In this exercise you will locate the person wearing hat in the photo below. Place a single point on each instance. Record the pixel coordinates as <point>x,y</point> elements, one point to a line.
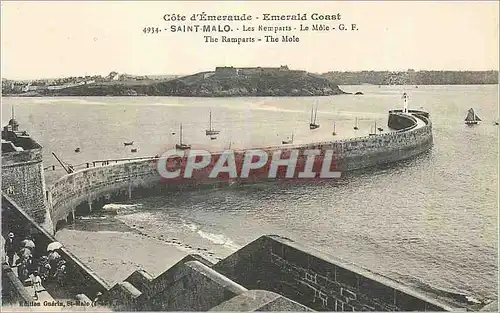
<point>37,284</point>
<point>44,267</point>
<point>60,274</point>
<point>10,249</point>
<point>97,299</point>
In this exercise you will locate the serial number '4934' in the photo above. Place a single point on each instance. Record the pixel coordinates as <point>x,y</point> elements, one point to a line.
<point>151,30</point>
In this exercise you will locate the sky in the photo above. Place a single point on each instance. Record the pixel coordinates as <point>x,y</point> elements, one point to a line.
<point>59,39</point>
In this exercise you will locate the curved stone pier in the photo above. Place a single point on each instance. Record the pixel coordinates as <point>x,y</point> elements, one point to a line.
<point>92,187</point>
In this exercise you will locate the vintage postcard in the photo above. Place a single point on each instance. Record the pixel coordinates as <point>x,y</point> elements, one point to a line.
<point>249,155</point>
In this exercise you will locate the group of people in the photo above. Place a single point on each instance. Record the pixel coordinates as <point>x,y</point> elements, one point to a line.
<point>50,267</point>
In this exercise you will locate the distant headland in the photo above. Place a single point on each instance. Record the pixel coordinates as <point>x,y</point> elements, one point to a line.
<point>222,82</point>
<point>237,82</point>
<point>412,77</point>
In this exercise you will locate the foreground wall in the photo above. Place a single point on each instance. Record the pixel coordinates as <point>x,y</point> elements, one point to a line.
<point>94,187</point>
<point>302,276</point>
<point>13,291</point>
<point>319,281</point>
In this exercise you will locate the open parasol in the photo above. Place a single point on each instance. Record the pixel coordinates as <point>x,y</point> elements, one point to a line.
<point>54,246</point>
<point>26,243</point>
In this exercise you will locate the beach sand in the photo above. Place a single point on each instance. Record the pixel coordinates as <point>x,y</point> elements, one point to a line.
<point>114,255</point>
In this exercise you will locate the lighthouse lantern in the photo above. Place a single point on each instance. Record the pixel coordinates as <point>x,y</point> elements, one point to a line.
<point>405,102</point>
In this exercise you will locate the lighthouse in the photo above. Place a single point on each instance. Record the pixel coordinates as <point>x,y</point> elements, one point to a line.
<point>405,102</point>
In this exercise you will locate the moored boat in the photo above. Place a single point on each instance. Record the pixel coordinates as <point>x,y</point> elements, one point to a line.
<point>312,124</point>
<point>288,141</point>
<point>210,131</point>
<point>180,145</point>
<point>472,118</point>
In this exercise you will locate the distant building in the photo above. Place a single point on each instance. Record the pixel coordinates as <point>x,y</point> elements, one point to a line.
<point>230,70</point>
<point>223,71</point>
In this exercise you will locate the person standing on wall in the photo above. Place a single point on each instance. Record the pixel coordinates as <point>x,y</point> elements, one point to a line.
<point>10,249</point>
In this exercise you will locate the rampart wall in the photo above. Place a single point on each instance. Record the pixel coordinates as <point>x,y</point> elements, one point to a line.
<point>23,180</point>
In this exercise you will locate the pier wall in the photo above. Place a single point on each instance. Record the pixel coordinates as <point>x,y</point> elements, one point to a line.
<point>405,143</point>
<point>93,187</point>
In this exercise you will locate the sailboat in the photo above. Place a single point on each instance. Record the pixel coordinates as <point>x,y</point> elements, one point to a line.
<point>472,118</point>
<point>180,145</point>
<point>288,141</point>
<point>334,132</point>
<point>313,124</point>
<point>356,124</point>
<point>211,131</point>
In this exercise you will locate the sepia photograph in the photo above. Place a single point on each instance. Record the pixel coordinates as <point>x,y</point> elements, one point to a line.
<point>249,156</point>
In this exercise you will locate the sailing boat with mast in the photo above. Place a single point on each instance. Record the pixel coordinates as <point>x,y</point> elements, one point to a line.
<point>356,124</point>
<point>180,145</point>
<point>334,132</point>
<point>312,124</point>
<point>472,118</point>
<point>211,131</point>
<point>288,141</point>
